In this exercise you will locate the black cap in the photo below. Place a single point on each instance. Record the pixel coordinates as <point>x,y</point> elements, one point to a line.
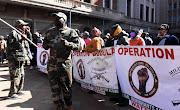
<point>114,27</point>
<point>163,27</point>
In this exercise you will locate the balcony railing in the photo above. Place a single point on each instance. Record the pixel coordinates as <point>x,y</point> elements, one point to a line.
<point>83,7</point>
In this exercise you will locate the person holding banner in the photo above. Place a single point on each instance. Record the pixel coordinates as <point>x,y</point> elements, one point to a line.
<point>86,37</point>
<point>136,38</point>
<point>96,43</point>
<point>147,38</point>
<point>18,51</point>
<point>117,36</point>
<point>164,38</point>
<point>61,40</point>
<point>36,40</point>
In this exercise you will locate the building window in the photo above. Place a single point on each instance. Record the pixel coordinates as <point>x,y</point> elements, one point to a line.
<point>179,4</point>
<point>152,1</point>
<point>175,5</point>
<point>170,7</point>
<point>107,4</point>
<point>170,19</point>
<point>147,13</point>
<point>88,1</point>
<point>152,15</point>
<point>129,8</point>
<point>174,19</point>
<point>179,18</point>
<point>141,11</point>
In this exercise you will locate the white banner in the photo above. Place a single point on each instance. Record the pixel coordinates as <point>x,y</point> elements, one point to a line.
<point>42,58</point>
<point>96,71</point>
<point>150,76</point>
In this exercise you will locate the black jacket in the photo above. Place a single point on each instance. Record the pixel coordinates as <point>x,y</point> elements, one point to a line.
<point>122,40</point>
<point>171,40</point>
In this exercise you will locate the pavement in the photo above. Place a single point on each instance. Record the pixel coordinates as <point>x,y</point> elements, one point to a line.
<point>38,94</point>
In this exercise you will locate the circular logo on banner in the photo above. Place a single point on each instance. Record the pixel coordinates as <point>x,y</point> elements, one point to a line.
<point>143,79</point>
<point>81,69</point>
<point>43,57</point>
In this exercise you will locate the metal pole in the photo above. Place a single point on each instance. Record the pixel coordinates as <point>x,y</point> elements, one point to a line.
<point>18,31</point>
<point>70,18</point>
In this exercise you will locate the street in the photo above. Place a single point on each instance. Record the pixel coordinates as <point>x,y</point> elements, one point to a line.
<point>39,98</point>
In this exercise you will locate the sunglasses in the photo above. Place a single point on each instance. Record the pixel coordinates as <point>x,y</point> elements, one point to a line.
<point>161,29</point>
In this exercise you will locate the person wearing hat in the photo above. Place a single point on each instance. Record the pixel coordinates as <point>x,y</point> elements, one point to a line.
<point>61,41</point>
<point>105,38</point>
<point>18,52</point>
<point>82,42</point>
<point>163,38</point>
<point>135,38</point>
<point>86,37</point>
<point>117,36</point>
<point>36,40</point>
<point>3,46</point>
<point>147,38</point>
<point>96,43</point>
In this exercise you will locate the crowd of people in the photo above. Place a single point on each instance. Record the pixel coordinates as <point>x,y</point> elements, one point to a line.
<point>118,36</point>
<point>62,41</point>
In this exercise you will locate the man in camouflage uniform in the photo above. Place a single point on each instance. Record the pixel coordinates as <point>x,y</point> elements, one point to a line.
<point>62,41</point>
<point>17,52</point>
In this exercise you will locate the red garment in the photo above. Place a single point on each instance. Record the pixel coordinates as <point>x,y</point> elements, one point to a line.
<point>87,40</point>
<point>137,41</point>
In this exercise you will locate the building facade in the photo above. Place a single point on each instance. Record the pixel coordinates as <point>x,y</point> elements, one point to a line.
<point>143,14</point>
<point>170,14</point>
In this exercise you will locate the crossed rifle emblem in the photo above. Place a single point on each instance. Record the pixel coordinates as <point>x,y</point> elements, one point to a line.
<point>99,76</point>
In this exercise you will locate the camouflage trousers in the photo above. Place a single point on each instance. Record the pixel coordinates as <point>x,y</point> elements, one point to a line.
<point>16,71</point>
<point>60,79</point>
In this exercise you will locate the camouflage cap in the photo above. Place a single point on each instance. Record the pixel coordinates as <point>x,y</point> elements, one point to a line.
<point>163,27</point>
<point>61,15</point>
<point>20,22</point>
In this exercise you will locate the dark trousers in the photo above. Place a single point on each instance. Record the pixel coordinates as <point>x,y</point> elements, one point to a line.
<point>33,62</point>
<point>2,56</point>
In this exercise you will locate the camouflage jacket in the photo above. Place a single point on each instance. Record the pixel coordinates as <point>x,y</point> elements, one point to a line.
<point>18,49</point>
<point>60,52</point>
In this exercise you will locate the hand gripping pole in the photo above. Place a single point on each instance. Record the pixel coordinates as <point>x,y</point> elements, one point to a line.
<point>17,31</point>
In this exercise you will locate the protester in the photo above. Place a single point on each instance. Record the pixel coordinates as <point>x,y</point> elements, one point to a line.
<point>164,38</point>
<point>86,37</point>
<point>118,36</point>
<point>61,40</point>
<point>135,38</point>
<point>36,40</point>
<point>18,51</point>
<point>3,46</point>
<point>82,42</point>
<point>96,43</point>
<point>41,37</point>
<point>105,38</point>
<point>147,38</point>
